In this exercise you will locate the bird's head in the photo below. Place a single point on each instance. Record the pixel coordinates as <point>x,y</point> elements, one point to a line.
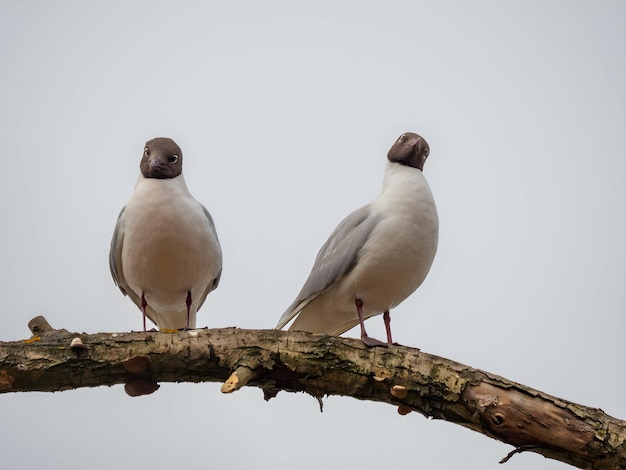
<point>162,158</point>
<point>410,149</point>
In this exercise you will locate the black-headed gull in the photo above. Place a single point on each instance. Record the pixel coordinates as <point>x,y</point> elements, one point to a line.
<point>377,256</point>
<point>165,254</point>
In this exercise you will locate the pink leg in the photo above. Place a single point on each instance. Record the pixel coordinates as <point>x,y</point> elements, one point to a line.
<point>387,320</point>
<point>188,302</point>
<point>144,304</point>
<point>359,311</point>
<point>366,339</point>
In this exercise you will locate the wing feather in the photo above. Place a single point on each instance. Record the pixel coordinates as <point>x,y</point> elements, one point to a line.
<point>213,285</point>
<point>335,259</point>
<point>115,264</point>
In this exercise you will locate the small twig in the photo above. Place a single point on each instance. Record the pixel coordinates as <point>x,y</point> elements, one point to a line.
<point>319,400</point>
<point>238,379</point>
<point>39,325</point>
<point>518,450</point>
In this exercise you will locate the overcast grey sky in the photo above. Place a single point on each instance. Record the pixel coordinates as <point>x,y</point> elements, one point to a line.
<point>285,112</point>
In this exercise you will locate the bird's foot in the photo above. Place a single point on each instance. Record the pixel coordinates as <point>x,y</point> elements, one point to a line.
<point>168,330</point>
<point>371,342</point>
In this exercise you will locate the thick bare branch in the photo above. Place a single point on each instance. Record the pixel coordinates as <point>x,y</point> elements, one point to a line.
<point>320,365</point>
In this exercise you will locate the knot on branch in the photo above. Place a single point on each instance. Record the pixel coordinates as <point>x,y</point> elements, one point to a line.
<point>145,383</point>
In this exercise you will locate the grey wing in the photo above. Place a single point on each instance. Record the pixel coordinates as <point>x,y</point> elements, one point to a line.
<point>115,260</point>
<point>213,285</point>
<point>115,252</point>
<point>208,216</point>
<point>335,259</point>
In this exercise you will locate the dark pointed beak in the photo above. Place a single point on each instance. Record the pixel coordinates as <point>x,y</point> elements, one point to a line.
<point>419,147</point>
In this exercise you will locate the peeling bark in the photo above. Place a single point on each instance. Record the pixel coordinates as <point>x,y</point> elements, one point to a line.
<point>272,360</point>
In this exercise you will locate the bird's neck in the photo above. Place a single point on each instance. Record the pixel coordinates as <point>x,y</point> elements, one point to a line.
<point>401,177</point>
<point>405,192</point>
<point>174,185</point>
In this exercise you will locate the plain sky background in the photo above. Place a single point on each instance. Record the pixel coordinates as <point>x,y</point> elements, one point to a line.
<point>285,112</point>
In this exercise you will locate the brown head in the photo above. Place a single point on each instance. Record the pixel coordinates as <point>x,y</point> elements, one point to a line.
<point>410,149</point>
<point>162,159</point>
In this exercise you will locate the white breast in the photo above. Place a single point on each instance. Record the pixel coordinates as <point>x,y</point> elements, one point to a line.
<point>169,248</point>
<point>401,249</point>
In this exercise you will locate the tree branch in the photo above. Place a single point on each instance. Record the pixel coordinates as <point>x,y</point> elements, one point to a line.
<point>272,360</point>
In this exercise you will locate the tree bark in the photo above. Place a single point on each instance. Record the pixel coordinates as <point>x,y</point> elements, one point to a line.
<point>272,360</point>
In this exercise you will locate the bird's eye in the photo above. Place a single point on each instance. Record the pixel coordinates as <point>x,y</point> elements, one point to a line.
<point>146,152</point>
<point>401,138</point>
<point>173,159</point>
<point>426,153</point>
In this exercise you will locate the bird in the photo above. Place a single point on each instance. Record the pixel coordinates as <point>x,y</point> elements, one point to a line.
<point>165,253</point>
<point>377,256</point>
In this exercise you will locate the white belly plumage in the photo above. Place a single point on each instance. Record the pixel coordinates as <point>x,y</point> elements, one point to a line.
<point>169,249</point>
